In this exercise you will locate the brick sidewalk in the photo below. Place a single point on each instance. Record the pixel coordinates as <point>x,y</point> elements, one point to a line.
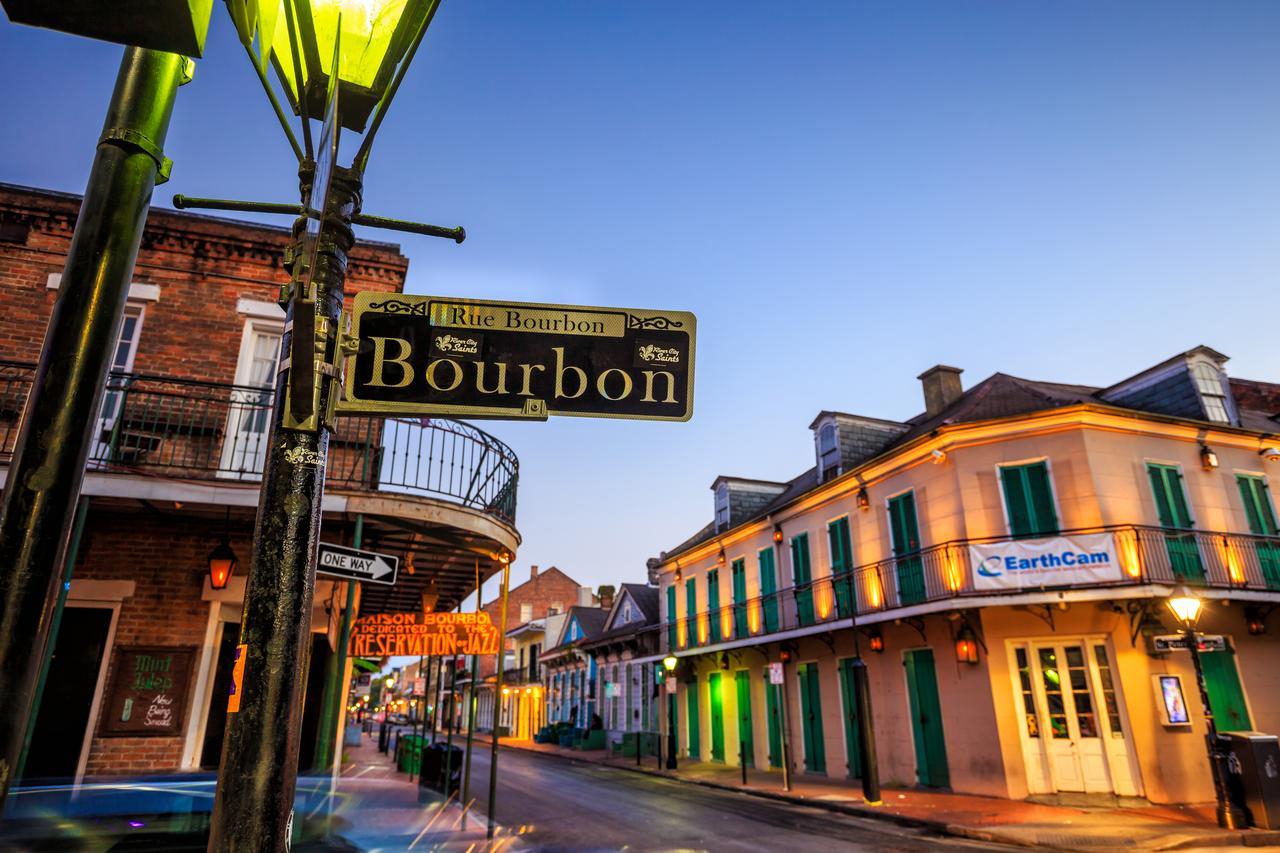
<point>982,818</point>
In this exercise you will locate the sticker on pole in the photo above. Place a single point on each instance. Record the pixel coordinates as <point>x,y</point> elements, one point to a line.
<point>237,678</point>
<point>671,684</point>
<point>775,673</point>
<point>352,564</point>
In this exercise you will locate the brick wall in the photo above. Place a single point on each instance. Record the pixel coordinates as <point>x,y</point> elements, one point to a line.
<point>201,264</point>
<point>541,591</point>
<point>166,557</point>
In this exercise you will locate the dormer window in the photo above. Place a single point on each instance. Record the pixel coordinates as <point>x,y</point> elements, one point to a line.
<point>1209,383</point>
<point>722,507</point>
<point>828,453</point>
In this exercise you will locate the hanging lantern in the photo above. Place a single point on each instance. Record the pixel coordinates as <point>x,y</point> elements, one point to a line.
<point>966,645</point>
<point>222,564</point>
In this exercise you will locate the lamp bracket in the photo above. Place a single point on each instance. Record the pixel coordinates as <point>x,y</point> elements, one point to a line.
<point>128,138</point>
<point>184,202</point>
<point>1044,612</point>
<point>917,623</point>
<point>829,639</point>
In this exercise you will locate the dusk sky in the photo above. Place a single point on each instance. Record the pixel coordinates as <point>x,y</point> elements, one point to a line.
<point>844,193</point>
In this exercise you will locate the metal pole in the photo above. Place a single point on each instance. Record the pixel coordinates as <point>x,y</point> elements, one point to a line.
<point>47,467</point>
<point>73,551</point>
<point>671,721</point>
<point>471,716</point>
<point>786,741</point>
<point>253,808</point>
<point>435,712</point>
<point>1230,816</point>
<point>862,704</point>
<point>497,697</point>
<point>742,760</point>
<point>419,722</point>
<point>328,740</point>
<point>448,755</point>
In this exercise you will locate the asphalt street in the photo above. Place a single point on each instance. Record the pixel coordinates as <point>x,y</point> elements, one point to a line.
<point>550,803</point>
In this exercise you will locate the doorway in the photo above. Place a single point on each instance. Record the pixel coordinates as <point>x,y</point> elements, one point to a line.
<point>849,701</point>
<point>216,719</point>
<point>59,738</point>
<point>926,719</point>
<point>1075,735</point>
<point>746,737</point>
<point>693,724</point>
<point>717,716</point>
<point>815,751</point>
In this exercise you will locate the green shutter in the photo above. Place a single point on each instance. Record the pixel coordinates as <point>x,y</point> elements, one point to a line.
<point>1171,508</point>
<point>691,611</point>
<point>815,754</point>
<point>715,689</point>
<point>774,709</point>
<point>671,617</point>
<point>768,590</point>
<point>801,578</point>
<point>926,719</point>
<point>1226,696</point>
<point>1262,522</point>
<point>693,725</point>
<point>849,704</point>
<point>740,628</point>
<point>906,548</point>
<point>1028,497</point>
<point>746,737</point>
<point>713,605</point>
<point>841,565</point>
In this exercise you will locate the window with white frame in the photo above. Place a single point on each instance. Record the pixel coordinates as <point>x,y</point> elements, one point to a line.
<point>722,507</point>
<point>1209,383</point>
<point>828,452</point>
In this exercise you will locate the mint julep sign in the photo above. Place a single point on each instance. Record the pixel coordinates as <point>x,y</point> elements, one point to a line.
<point>472,358</point>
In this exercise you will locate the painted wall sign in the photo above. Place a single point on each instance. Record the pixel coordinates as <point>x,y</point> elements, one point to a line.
<point>1056,561</point>
<point>148,692</point>
<point>424,355</point>
<point>424,634</point>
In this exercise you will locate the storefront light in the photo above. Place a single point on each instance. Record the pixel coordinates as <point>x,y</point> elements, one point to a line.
<point>222,564</point>
<point>966,645</point>
<point>875,640</point>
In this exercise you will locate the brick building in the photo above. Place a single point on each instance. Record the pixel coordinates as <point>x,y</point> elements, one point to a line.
<point>174,467</point>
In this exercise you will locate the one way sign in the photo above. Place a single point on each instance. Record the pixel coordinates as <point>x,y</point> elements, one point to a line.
<point>340,562</point>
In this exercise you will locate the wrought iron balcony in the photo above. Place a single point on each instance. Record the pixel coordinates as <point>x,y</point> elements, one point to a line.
<point>1146,555</point>
<point>212,431</point>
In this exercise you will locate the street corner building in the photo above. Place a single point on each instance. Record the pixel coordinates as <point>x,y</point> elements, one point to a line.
<point>1001,563</point>
<point>144,656</point>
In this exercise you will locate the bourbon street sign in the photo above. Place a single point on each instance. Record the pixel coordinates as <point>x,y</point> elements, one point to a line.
<point>424,355</point>
<point>389,634</point>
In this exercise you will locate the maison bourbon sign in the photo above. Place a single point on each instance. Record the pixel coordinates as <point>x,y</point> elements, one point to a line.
<point>425,355</point>
<point>148,692</point>
<point>423,634</point>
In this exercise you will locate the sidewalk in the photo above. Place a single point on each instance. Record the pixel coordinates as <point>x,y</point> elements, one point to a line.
<point>980,818</point>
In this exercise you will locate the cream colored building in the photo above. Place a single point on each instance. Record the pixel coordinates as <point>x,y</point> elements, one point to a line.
<point>1008,555</point>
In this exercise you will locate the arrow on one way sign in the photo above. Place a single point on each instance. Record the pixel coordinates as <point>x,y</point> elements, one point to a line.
<point>339,562</point>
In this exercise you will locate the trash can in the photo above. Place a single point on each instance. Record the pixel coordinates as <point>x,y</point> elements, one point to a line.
<point>451,758</point>
<point>1253,775</point>
<point>430,768</point>
<point>384,737</point>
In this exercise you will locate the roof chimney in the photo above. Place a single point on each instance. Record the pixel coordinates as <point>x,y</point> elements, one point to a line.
<point>606,595</point>
<point>941,388</point>
<point>533,573</point>
<point>585,596</point>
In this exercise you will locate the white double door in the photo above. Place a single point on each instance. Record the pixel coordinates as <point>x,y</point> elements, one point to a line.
<point>1075,735</point>
<point>244,450</point>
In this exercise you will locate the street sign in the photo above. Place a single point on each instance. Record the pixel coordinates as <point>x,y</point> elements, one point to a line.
<point>472,358</point>
<point>671,684</point>
<point>1204,642</point>
<point>348,563</point>
<point>775,673</point>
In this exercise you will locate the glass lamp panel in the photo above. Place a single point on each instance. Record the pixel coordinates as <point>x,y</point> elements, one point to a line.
<point>368,32</point>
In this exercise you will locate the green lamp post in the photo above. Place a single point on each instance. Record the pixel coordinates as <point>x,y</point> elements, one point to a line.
<point>39,511</point>
<point>340,61</point>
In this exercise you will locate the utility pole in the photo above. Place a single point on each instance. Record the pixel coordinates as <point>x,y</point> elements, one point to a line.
<point>47,469</point>
<point>253,808</point>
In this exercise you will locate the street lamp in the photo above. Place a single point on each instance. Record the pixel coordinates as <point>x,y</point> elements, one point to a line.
<point>1186,606</point>
<point>222,564</point>
<point>669,664</point>
<point>341,62</point>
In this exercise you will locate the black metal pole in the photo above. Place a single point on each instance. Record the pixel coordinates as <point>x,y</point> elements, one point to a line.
<point>253,807</point>
<point>497,699</point>
<point>862,704</point>
<point>1230,816</point>
<point>47,468</point>
<point>328,737</point>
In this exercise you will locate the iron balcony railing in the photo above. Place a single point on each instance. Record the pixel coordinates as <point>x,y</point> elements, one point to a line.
<point>212,431</point>
<point>1146,555</point>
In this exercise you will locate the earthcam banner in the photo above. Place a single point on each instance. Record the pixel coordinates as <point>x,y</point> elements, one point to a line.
<point>425,355</point>
<point>423,634</point>
<point>1056,561</point>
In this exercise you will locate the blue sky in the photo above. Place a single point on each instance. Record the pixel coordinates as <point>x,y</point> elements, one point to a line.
<point>845,194</point>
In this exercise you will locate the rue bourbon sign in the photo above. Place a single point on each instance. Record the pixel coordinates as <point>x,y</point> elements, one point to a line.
<point>425,355</point>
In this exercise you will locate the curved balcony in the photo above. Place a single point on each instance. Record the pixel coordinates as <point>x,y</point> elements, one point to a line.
<point>945,576</point>
<point>441,490</point>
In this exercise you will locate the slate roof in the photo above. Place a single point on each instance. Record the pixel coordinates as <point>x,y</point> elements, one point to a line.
<point>1001,396</point>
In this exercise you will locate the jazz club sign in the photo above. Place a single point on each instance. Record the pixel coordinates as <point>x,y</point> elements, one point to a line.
<point>472,358</point>
<point>423,634</point>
